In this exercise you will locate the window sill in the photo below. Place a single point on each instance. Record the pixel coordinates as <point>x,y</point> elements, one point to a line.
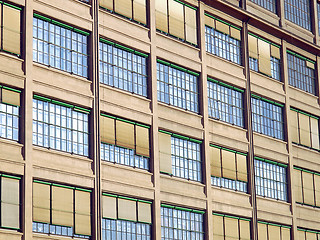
<point>307,206</point>
<point>8,55</point>
<point>225,60</point>
<point>84,3</point>
<point>230,190</point>
<point>4,231</point>
<point>118,165</point>
<point>52,69</point>
<point>298,28</point>
<point>183,180</point>
<point>10,142</point>
<point>306,148</point>
<point>180,109</point>
<point>302,91</point>
<point>271,138</point>
<point>177,41</point>
<point>52,236</point>
<point>227,124</point>
<point>263,10</point>
<point>61,153</point>
<point>274,200</point>
<point>267,77</point>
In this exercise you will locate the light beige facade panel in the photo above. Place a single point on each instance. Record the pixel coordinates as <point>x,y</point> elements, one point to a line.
<point>124,104</point>
<point>307,217</point>
<point>10,151</point>
<point>10,235</point>
<point>228,135</point>
<point>304,101</point>
<point>298,31</point>
<point>62,86</point>
<point>169,115</point>
<point>125,32</point>
<point>265,14</point>
<point>11,66</point>
<point>270,148</point>
<point>263,34</point>
<point>11,80</point>
<point>222,15</point>
<point>182,54</point>
<point>271,210</point>
<point>182,187</point>
<point>12,167</point>
<point>265,86</point>
<point>19,2</point>
<point>231,202</point>
<point>78,14</point>
<point>224,70</point>
<point>305,158</point>
<point>116,172</point>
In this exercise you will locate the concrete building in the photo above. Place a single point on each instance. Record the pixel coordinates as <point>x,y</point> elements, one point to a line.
<point>163,119</point>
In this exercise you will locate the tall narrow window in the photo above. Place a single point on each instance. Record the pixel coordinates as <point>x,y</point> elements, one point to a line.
<point>9,113</point>
<point>177,19</point>
<point>177,86</point>
<point>307,234</point>
<point>124,142</point>
<point>225,102</point>
<point>228,168</point>
<point>304,129</point>
<point>10,32</point>
<point>264,56</point>
<point>181,223</point>
<point>298,12</point>
<point>270,179</point>
<point>125,218</point>
<point>270,5</point>
<point>180,156</point>
<point>223,39</point>
<point>60,126</point>
<point>123,68</point>
<point>134,10</point>
<point>61,210</point>
<point>230,227</point>
<point>267,117</point>
<point>272,231</point>
<point>307,187</point>
<point>301,72</point>
<point>9,202</point>
<point>60,46</point>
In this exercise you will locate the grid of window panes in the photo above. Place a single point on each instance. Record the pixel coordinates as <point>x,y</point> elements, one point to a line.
<point>300,75</point>
<point>125,156</point>
<point>298,12</point>
<point>125,230</point>
<point>59,127</point>
<point>270,180</point>
<point>267,118</point>
<point>275,66</point>
<point>267,4</point>
<point>9,121</point>
<point>223,45</point>
<point>229,183</point>
<point>181,224</point>
<point>60,47</point>
<point>55,230</point>
<point>225,104</point>
<point>177,88</point>
<point>186,159</point>
<point>123,69</point>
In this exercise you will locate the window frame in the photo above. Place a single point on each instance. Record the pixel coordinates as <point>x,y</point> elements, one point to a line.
<point>296,19</point>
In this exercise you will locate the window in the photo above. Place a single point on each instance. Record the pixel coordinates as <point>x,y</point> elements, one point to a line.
<point>228,168</point>
<point>180,156</point>
<point>60,46</point>
<point>306,234</point>
<point>177,86</point>
<point>271,231</point>
<point>301,72</point>
<point>177,19</point>
<point>181,223</point>
<point>304,129</point>
<point>61,210</point>
<point>10,202</point>
<point>60,126</point>
<point>264,56</point>
<point>270,5</point>
<point>225,102</point>
<point>307,187</point>
<point>123,68</point>
<point>230,227</point>
<point>10,30</point>
<point>134,10</point>
<point>124,142</point>
<point>270,179</point>
<point>223,39</point>
<point>298,12</point>
<point>267,117</point>
<point>9,113</point>
<point>125,218</point>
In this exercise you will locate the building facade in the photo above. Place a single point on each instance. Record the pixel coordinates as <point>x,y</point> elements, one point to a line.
<point>164,119</point>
